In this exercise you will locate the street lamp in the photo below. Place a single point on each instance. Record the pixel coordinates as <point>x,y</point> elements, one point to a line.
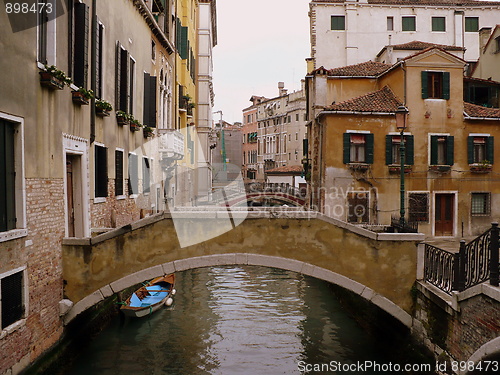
<point>401,113</point>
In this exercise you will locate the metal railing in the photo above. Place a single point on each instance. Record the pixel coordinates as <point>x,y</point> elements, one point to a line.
<point>283,188</point>
<point>407,227</point>
<point>473,264</point>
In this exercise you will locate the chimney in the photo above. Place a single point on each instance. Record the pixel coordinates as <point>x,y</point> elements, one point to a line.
<point>484,35</point>
<point>281,89</point>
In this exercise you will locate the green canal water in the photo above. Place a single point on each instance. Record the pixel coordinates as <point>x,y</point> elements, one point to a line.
<point>247,320</point>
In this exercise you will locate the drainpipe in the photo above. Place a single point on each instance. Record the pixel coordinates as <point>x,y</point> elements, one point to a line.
<point>93,61</point>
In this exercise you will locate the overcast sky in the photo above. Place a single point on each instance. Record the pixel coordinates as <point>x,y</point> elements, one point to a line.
<point>259,43</point>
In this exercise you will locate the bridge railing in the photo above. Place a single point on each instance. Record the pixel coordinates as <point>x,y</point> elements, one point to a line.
<point>267,187</point>
<point>473,264</point>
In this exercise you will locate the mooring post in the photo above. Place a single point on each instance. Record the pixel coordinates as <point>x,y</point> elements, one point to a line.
<point>494,254</point>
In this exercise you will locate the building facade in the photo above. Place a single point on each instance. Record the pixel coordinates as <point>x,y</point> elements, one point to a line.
<point>489,58</point>
<point>340,36</point>
<point>450,160</point>
<point>249,134</point>
<point>280,131</point>
<point>73,165</point>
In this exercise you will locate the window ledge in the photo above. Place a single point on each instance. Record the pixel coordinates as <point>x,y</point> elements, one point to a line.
<point>120,197</point>
<point>480,168</point>
<point>440,168</point>
<point>12,328</point>
<point>13,234</point>
<point>395,168</point>
<point>358,166</point>
<point>133,196</point>
<point>100,200</point>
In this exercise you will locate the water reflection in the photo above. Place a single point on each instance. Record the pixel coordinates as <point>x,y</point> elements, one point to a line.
<point>230,321</point>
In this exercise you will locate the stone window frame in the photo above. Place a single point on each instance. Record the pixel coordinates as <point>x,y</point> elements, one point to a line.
<point>487,203</point>
<point>25,298</point>
<point>21,229</point>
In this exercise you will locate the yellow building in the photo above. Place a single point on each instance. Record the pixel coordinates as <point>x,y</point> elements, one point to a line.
<point>450,169</point>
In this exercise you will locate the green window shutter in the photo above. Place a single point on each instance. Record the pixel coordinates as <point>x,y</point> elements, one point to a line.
<point>450,142</point>
<point>425,89</point>
<point>7,177</point>
<point>178,33</point>
<point>81,42</point>
<point>347,148</point>
<point>408,24</point>
<point>145,105</point>
<point>305,147</point>
<point>470,149</point>
<point>490,149</point>
<point>409,139</point>
<point>338,23</point>
<point>184,43</point>
<point>369,148</point>
<point>133,174</point>
<point>388,149</point>
<point>118,66</point>
<point>446,85</point>
<point>434,149</point>
<point>152,102</point>
<point>101,171</point>
<point>118,172</point>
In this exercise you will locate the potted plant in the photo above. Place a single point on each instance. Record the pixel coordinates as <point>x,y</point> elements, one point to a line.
<point>54,78</point>
<point>147,131</point>
<point>481,167</point>
<point>135,125</point>
<point>123,118</point>
<point>102,108</point>
<point>190,107</point>
<point>82,96</point>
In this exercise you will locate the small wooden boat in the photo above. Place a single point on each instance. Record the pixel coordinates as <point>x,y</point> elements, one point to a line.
<point>150,297</point>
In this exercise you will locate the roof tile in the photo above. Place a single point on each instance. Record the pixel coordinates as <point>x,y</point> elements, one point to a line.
<point>474,110</point>
<point>382,100</point>
<point>365,69</point>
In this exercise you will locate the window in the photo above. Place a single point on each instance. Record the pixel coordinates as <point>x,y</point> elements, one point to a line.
<point>408,23</point>
<point>418,207</point>
<point>435,85</point>
<point>133,174</point>
<point>12,300</point>
<point>480,204</point>
<point>438,23</point>
<point>358,148</point>
<point>131,85</point>
<point>118,172</point>
<point>338,22</point>
<point>80,44</point>
<point>7,177</point>
<point>471,24</point>
<point>153,50</point>
<point>146,175</point>
<point>43,20</point>
<point>390,23</point>
<point>442,149</point>
<point>101,171</point>
<point>480,149</point>
<point>497,44</point>
<point>296,117</point>
<point>99,60</point>
<point>392,149</point>
<point>149,104</point>
<point>358,208</point>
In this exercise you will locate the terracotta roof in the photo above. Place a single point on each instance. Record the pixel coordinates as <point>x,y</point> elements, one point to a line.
<point>420,2</point>
<point>473,110</point>
<point>382,100</point>
<point>287,169</point>
<point>419,45</point>
<point>365,69</point>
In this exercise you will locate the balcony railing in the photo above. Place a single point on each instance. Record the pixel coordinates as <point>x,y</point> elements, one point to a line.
<point>171,144</point>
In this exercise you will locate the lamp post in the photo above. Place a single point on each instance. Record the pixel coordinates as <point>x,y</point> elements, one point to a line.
<point>401,113</point>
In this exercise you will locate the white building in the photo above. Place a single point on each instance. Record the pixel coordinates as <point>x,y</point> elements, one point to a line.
<point>347,32</point>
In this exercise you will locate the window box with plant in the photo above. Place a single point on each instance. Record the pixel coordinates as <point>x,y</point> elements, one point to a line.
<point>123,118</point>
<point>82,96</point>
<point>54,78</point>
<point>102,108</point>
<point>135,125</point>
<point>483,167</point>
<point>148,131</point>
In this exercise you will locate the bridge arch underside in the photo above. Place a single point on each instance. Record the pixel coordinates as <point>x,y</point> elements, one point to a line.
<point>489,353</point>
<point>381,272</point>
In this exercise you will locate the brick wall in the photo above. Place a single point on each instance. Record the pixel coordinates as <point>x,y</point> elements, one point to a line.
<point>42,258</point>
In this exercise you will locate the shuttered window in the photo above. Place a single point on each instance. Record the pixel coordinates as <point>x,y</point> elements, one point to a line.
<point>118,172</point>
<point>99,60</point>
<point>101,171</point>
<point>392,149</point>
<point>149,105</point>
<point>480,149</point>
<point>12,301</point>
<point>81,43</point>
<point>358,148</point>
<point>442,150</point>
<point>338,22</point>
<point>438,24</point>
<point>7,177</point>
<point>408,23</point>
<point>133,174</point>
<point>435,85</point>
<point>471,24</point>
<point>146,175</point>
<point>183,50</point>
<point>43,19</point>
<point>122,78</point>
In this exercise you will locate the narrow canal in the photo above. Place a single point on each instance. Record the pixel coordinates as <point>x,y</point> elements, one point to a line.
<point>242,320</point>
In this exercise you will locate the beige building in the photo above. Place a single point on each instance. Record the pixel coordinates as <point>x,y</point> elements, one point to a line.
<point>451,162</point>
<point>280,131</point>
<point>489,59</point>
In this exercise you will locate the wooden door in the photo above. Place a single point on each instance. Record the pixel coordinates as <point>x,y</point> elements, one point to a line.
<point>444,213</point>
<point>70,195</point>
